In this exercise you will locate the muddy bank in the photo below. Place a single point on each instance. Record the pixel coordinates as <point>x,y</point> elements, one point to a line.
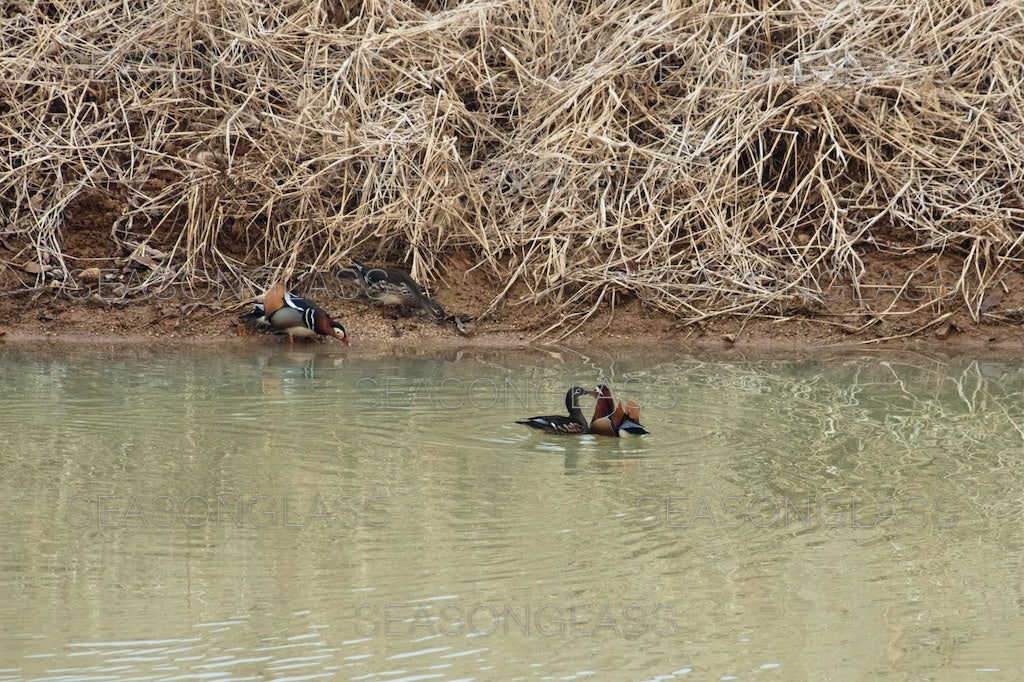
<point>638,179</point>
<point>97,314</point>
<point>897,301</point>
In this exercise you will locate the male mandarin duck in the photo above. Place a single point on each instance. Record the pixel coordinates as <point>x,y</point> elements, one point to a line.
<point>572,425</point>
<point>611,419</point>
<point>295,316</point>
<point>389,286</point>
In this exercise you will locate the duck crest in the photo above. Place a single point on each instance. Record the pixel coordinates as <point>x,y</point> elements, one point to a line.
<point>319,321</point>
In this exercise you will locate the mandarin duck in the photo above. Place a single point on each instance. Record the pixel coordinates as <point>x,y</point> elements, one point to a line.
<point>572,425</point>
<point>294,316</point>
<point>611,419</point>
<point>393,287</point>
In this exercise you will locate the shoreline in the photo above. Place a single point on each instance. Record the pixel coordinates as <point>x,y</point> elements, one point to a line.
<point>501,314</point>
<point>37,316</point>
<point>371,332</point>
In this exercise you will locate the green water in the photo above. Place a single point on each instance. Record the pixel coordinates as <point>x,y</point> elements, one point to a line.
<point>339,513</point>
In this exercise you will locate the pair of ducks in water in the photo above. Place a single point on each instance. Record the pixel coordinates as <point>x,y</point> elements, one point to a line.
<point>296,316</point>
<point>610,418</point>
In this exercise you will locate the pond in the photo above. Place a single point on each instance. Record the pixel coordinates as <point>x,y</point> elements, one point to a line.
<point>321,512</point>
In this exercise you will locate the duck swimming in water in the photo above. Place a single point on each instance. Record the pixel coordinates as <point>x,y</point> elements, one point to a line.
<point>572,425</point>
<point>611,419</point>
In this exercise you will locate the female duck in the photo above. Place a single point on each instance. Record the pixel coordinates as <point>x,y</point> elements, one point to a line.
<point>393,287</point>
<point>572,425</point>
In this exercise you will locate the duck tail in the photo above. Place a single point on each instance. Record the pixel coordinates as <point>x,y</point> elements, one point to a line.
<point>255,316</point>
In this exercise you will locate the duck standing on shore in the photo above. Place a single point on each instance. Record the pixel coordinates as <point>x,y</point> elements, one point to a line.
<point>295,316</point>
<point>572,425</point>
<point>394,287</point>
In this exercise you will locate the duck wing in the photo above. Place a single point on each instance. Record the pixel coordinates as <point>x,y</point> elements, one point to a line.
<point>256,316</point>
<point>555,423</point>
<point>633,411</point>
<point>313,316</point>
<point>274,300</point>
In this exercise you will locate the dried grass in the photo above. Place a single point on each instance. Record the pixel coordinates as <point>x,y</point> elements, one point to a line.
<point>708,158</point>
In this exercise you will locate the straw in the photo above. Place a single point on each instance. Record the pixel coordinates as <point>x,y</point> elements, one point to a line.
<point>706,158</point>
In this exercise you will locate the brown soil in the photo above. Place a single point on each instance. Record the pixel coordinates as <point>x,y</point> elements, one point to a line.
<point>43,313</point>
<point>924,313</point>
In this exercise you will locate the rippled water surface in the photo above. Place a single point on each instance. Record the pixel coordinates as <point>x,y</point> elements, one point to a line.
<point>321,512</point>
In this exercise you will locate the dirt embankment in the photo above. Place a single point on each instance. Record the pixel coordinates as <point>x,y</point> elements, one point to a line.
<point>799,173</point>
<point>898,303</point>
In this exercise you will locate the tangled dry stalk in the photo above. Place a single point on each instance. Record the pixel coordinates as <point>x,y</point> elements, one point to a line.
<point>710,158</point>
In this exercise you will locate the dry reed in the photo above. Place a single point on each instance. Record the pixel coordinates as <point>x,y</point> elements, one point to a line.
<point>708,158</point>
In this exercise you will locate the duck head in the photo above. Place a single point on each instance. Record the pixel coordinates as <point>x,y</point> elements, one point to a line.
<point>573,395</point>
<point>605,406</point>
<point>338,331</point>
